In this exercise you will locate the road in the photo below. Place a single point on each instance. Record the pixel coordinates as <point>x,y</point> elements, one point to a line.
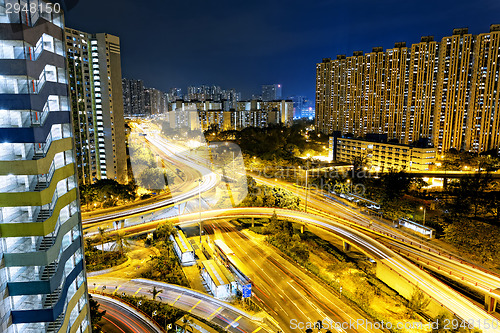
<point>208,181</point>
<point>281,288</point>
<point>409,247</point>
<point>339,220</point>
<point>199,304</point>
<point>432,287</point>
<point>120,318</point>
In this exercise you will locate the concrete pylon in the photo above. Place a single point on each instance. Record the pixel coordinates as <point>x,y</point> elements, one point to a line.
<point>346,246</point>
<point>490,304</point>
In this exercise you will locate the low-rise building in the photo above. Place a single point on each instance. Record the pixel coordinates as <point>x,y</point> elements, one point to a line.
<point>381,156</point>
<point>217,280</point>
<point>183,248</point>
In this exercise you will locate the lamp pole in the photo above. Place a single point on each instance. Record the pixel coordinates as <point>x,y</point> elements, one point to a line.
<point>199,205</point>
<point>307,188</point>
<point>424,209</point>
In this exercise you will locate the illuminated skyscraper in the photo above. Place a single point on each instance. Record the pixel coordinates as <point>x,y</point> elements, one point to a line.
<point>484,120</point>
<point>445,92</point>
<point>453,90</point>
<point>42,276</point>
<point>271,92</point>
<point>96,96</point>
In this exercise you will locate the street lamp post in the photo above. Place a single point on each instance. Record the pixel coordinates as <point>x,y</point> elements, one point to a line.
<point>424,209</point>
<point>199,205</point>
<point>307,188</point>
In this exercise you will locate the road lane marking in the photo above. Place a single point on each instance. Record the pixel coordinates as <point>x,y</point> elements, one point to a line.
<point>195,306</point>
<point>176,299</point>
<point>137,291</point>
<point>257,329</point>
<point>214,313</point>
<point>234,322</point>
<point>114,292</point>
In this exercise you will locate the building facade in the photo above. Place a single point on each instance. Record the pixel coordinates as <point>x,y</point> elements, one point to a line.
<point>207,114</point>
<point>42,276</point>
<point>155,102</point>
<point>271,92</point>
<point>382,157</point>
<point>442,91</point>
<point>97,103</point>
<point>133,97</point>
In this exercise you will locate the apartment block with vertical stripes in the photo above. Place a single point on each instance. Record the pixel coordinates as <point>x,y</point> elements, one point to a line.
<point>42,274</point>
<point>444,91</point>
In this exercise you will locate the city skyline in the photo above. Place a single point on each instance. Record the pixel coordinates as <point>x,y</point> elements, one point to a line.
<point>283,48</point>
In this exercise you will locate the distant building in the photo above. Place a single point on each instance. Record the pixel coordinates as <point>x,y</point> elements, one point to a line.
<point>214,93</point>
<point>302,107</point>
<point>133,97</point>
<point>96,95</point>
<point>271,92</point>
<point>382,156</point>
<point>154,102</point>
<point>446,91</point>
<point>254,113</point>
<point>174,94</point>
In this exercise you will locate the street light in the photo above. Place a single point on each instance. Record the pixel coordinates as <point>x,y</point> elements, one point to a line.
<point>307,188</point>
<point>199,204</point>
<point>424,209</point>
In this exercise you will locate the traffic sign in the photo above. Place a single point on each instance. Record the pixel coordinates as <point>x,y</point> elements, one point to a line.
<point>247,290</point>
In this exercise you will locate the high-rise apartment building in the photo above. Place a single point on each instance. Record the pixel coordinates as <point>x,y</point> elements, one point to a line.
<point>271,92</point>
<point>484,120</point>
<point>442,91</point>
<point>42,276</point>
<point>97,103</point>
<point>133,97</point>
<point>154,102</point>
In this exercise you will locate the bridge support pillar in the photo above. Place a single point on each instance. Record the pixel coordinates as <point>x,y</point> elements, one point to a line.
<point>302,228</point>
<point>346,246</point>
<point>445,183</point>
<point>490,304</point>
<point>253,222</point>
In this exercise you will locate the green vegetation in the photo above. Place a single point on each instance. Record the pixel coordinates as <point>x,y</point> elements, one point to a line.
<point>267,196</point>
<point>165,266</point>
<point>353,280</point>
<point>106,193</point>
<point>417,303</point>
<point>97,260</point>
<point>95,315</point>
<point>281,235</point>
<point>275,144</point>
<point>455,160</point>
<point>162,313</point>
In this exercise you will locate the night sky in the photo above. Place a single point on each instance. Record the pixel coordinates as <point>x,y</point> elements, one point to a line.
<point>244,44</point>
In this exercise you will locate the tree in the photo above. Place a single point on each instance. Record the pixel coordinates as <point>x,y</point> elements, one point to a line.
<point>187,322</point>
<point>418,302</point>
<point>102,238</point>
<point>121,242</point>
<point>165,230</point>
<point>95,315</point>
<point>152,179</point>
<point>395,184</point>
<point>154,292</point>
